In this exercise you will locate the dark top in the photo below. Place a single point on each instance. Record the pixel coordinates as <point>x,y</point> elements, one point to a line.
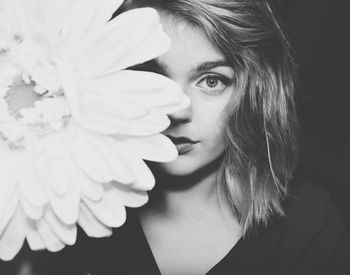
<point>311,238</point>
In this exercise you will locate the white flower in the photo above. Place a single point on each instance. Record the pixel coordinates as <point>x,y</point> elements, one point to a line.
<point>75,125</point>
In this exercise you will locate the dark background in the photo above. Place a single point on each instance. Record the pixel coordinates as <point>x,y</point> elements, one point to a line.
<point>319,30</point>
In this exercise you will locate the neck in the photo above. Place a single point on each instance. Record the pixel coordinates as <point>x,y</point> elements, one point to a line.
<point>186,197</point>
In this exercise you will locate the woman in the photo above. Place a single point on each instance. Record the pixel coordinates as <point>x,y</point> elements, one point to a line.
<point>229,202</point>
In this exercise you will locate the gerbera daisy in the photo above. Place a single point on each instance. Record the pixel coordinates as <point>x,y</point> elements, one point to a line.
<point>75,124</point>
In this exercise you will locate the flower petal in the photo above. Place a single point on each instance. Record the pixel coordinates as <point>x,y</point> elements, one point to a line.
<point>148,89</point>
<point>93,164</point>
<point>8,190</point>
<point>32,211</point>
<point>131,197</point>
<point>145,179</point>
<point>91,225</point>
<point>154,122</point>
<point>146,40</point>
<point>8,210</point>
<point>155,148</point>
<point>60,175</point>
<point>13,237</point>
<point>110,104</point>
<point>90,188</point>
<point>30,186</point>
<point>66,233</point>
<point>33,237</point>
<point>113,154</point>
<point>93,15</point>
<point>11,9</point>
<point>110,210</point>
<point>52,243</point>
<point>44,18</point>
<point>6,27</point>
<point>104,163</point>
<point>66,207</point>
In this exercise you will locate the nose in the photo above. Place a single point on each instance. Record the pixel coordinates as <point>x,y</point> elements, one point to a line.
<point>181,117</point>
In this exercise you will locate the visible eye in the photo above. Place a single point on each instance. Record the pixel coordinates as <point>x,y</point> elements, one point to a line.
<point>214,84</point>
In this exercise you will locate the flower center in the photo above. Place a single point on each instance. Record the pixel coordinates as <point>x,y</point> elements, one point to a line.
<point>32,100</point>
<point>21,96</point>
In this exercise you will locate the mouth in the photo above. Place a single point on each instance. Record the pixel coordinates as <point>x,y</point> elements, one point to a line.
<point>183,144</point>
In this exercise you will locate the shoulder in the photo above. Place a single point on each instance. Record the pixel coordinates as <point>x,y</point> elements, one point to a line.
<point>312,233</point>
<point>310,210</point>
<point>308,205</point>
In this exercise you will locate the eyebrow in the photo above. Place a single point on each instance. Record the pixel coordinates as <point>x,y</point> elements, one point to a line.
<point>209,65</point>
<point>161,68</point>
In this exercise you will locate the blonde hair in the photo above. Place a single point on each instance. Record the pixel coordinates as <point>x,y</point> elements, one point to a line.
<point>261,129</point>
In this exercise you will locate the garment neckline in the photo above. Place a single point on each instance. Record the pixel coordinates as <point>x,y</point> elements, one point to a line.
<point>233,253</point>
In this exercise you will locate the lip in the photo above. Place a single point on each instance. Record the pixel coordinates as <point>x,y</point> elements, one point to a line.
<point>183,144</point>
<point>184,148</point>
<point>180,140</point>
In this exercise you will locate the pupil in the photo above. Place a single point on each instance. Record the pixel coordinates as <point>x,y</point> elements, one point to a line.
<point>211,82</point>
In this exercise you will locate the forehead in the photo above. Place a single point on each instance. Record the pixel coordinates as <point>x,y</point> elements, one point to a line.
<point>189,44</point>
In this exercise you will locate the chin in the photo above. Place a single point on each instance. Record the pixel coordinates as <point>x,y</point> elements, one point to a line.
<point>178,168</point>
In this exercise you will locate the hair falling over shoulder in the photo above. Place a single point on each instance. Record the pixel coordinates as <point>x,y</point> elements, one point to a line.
<point>261,123</point>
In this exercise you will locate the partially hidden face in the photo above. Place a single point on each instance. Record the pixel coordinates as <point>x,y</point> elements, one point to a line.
<point>205,76</point>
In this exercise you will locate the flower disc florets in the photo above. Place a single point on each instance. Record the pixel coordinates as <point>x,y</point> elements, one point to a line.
<point>32,101</point>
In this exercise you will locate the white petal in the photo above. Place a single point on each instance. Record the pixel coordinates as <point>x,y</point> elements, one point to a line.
<point>103,124</point>
<point>60,173</point>
<point>132,37</point>
<point>88,158</point>
<point>155,148</point>
<point>154,122</point>
<point>131,197</point>
<point>74,27</point>
<point>5,25</point>
<point>66,233</point>
<point>12,9</point>
<point>52,243</point>
<point>45,18</point>
<point>90,188</point>
<point>144,178</point>
<point>9,209</point>
<point>12,238</point>
<point>110,210</point>
<point>145,88</point>
<point>8,177</point>
<point>30,186</point>
<point>91,225</point>
<point>110,103</point>
<point>113,154</point>
<point>32,211</point>
<point>169,109</point>
<point>66,207</point>
<point>93,15</point>
<point>150,124</point>
<point>33,237</point>
<point>68,77</point>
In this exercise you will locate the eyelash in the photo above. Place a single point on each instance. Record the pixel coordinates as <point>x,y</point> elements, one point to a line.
<point>224,80</point>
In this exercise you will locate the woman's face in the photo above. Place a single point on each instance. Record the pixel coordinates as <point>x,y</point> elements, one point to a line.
<point>204,75</point>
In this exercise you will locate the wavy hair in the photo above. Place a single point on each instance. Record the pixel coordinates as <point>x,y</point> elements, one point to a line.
<point>261,125</point>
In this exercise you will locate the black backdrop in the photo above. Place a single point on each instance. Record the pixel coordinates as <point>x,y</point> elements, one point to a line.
<point>319,30</point>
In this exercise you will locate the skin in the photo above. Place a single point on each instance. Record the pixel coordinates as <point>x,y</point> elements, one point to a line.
<point>202,72</point>
<point>188,227</point>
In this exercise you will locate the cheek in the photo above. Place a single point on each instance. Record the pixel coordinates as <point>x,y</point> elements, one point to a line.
<point>214,143</point>
<point>211,125</point>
